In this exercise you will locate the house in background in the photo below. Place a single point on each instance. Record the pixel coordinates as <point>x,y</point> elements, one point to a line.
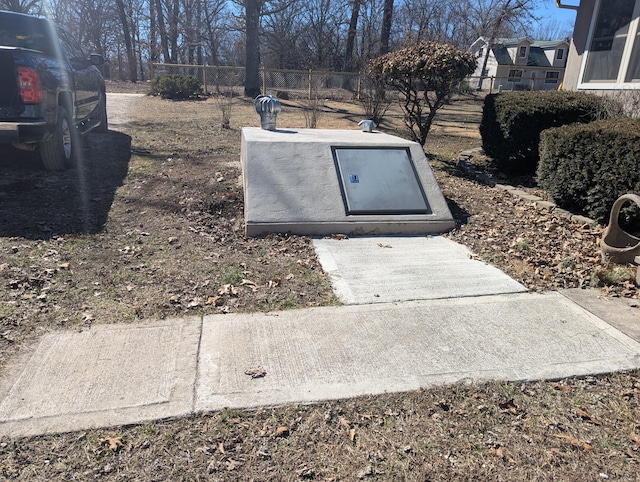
<point>605,51</point>
<point>519,64</point>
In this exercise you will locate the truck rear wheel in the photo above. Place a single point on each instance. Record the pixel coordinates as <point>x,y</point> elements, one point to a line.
<point>58,152</point>
<point>102,115</point>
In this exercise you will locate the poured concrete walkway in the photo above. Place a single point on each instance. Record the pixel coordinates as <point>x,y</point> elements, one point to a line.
<point>122,374</point>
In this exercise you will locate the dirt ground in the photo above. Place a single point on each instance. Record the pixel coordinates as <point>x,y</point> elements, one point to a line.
<point>151,227</point>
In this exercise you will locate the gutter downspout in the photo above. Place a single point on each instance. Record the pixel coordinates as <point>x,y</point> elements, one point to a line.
<point>568,7</point>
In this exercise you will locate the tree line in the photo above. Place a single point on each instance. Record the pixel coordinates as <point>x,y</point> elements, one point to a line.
<point>337,35</point>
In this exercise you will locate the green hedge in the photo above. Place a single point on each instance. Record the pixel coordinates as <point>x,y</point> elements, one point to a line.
<point>585,168</point>
<point>512,123</point>
<point>176,86</point>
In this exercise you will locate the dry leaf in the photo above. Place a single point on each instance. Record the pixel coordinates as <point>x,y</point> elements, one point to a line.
<point>215,300</point>
<point>256,372</point>
<point>562,387</point>
<point>228,289</point>
<point>63,266</point>
<point>498,452</point>
<point>115,443</point>
<point>511,405</point>
<point>576,442</point>
<point>283,431</point>
<point>588,417</point>
<point>352,434</point>
<point>634,438</point>
<point>345,423</point>
<point>221,447</point>
<point>250,284</point>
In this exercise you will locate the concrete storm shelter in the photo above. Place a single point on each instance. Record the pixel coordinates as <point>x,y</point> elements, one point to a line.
<point>320,182</point>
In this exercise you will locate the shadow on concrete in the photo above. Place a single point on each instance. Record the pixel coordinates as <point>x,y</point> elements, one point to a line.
<point>39,204</point>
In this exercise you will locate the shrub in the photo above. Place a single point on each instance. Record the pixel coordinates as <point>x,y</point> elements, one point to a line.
<point>425,75</point>
<point>374,98</point>
<point>512,122</point>
<point>585,168</point>
<point>176,86</point>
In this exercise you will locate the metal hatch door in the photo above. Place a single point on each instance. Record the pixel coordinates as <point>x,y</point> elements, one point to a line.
<point>379,181</point>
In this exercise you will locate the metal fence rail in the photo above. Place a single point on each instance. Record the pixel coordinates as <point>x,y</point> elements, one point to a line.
<point>302,84</point>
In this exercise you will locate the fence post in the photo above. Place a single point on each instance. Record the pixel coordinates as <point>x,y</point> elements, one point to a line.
<point>204,79</point>
<point>264,80</point>
<point>491,84</point>
<point>310,81</point>
<point>358,86</point>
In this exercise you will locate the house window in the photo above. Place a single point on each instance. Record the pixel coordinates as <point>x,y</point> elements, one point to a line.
<point>613,56</point>
<point>515,75</point>
<point>552,77</point>
<point>522,52</point>
<point>560,54</point>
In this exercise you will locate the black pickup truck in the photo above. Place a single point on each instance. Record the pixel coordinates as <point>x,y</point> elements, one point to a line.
<point>51,92</point>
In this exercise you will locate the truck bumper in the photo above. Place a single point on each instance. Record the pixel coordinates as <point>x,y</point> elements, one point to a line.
<point>22,132</point>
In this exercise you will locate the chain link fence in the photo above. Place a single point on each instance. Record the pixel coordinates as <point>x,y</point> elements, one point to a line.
<point>284,84</point>
<point>493,84</point>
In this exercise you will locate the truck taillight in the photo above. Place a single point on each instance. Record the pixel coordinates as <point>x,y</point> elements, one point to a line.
<point>30,88</point>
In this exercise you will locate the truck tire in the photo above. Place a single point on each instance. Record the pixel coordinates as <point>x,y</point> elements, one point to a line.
<point>102,115</point>
<point>58,152</point>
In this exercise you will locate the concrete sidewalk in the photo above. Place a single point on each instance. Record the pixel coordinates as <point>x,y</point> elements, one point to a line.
<point>122,374</point>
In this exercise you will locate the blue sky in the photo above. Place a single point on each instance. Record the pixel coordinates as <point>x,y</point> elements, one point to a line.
<point>561,19</point>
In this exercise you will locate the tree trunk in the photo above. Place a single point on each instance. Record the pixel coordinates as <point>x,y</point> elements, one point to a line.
<point>351,35</point>
<point>386,26</point>
<point>252,49</point>
<point>174,31</point>
<point>131,56</point>
<point>162,30</point>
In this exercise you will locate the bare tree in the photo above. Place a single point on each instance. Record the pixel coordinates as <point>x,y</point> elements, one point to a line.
<point>252,48</point>
<point>215,28</point>
<point>323,34</point>
<point>131,56</point>
<point>491,19</point>
<point>162,30</point>
<point>387,15</point>
<point>351,34</point>
<point>22,6</point>
<point>281,31</point>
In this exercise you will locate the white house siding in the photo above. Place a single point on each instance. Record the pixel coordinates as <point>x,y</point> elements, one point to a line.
<point>579,49</point>
<point>578,44</point>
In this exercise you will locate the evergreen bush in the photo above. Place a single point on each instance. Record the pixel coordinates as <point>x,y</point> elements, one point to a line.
<point>512,122</point>
<point>176,86</point>
<point>585,168</point>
